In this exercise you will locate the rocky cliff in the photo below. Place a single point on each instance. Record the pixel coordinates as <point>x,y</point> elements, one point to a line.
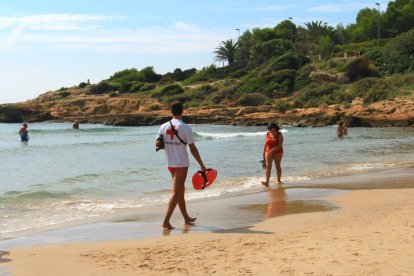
<point>132,110</point>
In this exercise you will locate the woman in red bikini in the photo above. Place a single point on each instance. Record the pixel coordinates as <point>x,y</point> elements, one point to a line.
<point>273,151</point>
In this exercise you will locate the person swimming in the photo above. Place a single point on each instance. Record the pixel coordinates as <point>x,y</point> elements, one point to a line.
<point>24,133</point>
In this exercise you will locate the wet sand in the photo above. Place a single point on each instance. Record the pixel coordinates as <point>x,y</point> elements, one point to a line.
<point>364,232</point>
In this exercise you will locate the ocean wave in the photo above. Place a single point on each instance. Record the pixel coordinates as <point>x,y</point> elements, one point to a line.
<point>213,136</point>
<point>33,195</point>
<point>87,130</point>
<point>61,212</point>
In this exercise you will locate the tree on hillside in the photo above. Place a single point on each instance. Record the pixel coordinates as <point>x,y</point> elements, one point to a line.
<point>286,29</point>
<point>398,18</point>
<point>325,47</point>
<point>226,51</point>
<point>366,26</point>
<point>310,34</point>
<point>398,54</point>
<point>315,29</point>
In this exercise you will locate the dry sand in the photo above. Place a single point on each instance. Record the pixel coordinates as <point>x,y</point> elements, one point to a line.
<point>372,234</point>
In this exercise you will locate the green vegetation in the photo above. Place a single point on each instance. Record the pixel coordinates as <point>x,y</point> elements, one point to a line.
<point>272,66</point>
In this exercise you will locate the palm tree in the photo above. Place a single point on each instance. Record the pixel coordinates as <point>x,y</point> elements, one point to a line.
<point>226,51</point>
<point>316,29</point>
<point>310,35</point>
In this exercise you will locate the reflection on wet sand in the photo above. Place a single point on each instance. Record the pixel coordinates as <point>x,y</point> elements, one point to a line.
<point>279,205</point>
<point>277,202</point>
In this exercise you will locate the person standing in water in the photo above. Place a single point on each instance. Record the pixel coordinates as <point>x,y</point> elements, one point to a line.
<point>273,152</point>
<point>76,125</point>
<point>24,133</point>
<point>340,131</point>
<point>177,135</point>
<point>345,128</point>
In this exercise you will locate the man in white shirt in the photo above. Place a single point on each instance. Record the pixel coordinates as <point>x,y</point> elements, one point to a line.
<point>177,160</point>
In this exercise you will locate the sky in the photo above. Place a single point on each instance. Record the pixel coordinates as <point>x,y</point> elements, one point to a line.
<point>46,45</point>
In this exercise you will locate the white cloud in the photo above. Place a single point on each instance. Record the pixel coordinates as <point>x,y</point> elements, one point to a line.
<point>274,7</point>
<point>336,8</point>
<point>152,40</point>
<point>50,31</point>
<point>186,27</point>
<point>53,21</point>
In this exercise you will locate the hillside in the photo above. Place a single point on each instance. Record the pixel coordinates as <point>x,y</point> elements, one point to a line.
<point>305,76</point>
<point>133,110</point>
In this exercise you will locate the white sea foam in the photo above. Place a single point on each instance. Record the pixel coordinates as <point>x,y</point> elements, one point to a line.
<point>209,135</point>
<point>229,135</point>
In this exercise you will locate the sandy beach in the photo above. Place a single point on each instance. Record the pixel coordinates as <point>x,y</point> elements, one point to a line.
<point>371,233</point>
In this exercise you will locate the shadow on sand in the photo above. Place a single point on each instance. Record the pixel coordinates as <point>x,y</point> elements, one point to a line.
<point>241,230</point>
<point>2,254</point>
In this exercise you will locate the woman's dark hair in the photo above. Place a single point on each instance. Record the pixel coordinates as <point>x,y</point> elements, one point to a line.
<point>177,108</point>
<point>273,125</point>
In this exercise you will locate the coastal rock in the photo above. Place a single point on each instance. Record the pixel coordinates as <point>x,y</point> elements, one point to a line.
<point>21,113</point>
<point>323,77</point>
<point>133,110</point>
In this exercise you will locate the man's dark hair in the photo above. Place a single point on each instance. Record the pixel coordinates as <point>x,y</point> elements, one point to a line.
<point>177,108</point>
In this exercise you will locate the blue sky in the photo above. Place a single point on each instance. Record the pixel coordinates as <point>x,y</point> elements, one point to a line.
<point>46,45</point>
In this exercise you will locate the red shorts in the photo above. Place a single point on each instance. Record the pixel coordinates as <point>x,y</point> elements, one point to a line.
<point>172,170</point>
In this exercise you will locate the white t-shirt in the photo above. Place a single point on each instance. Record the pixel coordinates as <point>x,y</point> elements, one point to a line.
<point>175,150</point>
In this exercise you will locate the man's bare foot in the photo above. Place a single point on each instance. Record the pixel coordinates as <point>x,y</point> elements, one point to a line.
<point>280,182</point>
<point>190,221</point>
<point>167,226</point>
<point>265,183</point>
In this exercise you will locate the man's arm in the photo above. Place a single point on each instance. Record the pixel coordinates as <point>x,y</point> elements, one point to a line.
<point>196,155</point>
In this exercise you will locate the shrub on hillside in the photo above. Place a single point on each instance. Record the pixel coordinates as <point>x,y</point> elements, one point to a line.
<point>167,79</point>
<point>398,54</point>
<point>239,73</point>
<point>169,90</point>
<point>82,85</point>
<point>251,99</point>
<point>275,47</point>
<point>148,74</point>
<point>302,78</point>
<point>283,106</point>
<point>290,60</point>
<point>147,87</point>
<point>181,97</point>
<point>154,107</point>
<point>136,86</point>
<point>359,68</point>
<point>125,87</point>
<point>125,75</point>
<point>102,87</point>
<point>249,85</point>
<point>209,73</point>
<point>286,78</point>
<point>373,89</point>
<point>314,95</point>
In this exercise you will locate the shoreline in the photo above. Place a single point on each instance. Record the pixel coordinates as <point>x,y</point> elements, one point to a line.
<point>362,233</point>
<point>148,217</point>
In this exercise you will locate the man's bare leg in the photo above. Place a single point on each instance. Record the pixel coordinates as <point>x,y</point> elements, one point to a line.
<point>171,205</point>
<point>181,175</point>
<point>177,197</point>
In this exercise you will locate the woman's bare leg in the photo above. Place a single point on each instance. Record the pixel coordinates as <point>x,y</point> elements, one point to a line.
<point>278,161</point>
<point>269,159</point>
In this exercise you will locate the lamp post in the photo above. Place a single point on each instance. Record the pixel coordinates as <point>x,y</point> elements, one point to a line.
<point>291,30</point>
<point>238,30</point>
<point>378,23</point>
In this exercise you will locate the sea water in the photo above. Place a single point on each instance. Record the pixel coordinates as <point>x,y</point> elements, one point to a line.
<point>63,176</point>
